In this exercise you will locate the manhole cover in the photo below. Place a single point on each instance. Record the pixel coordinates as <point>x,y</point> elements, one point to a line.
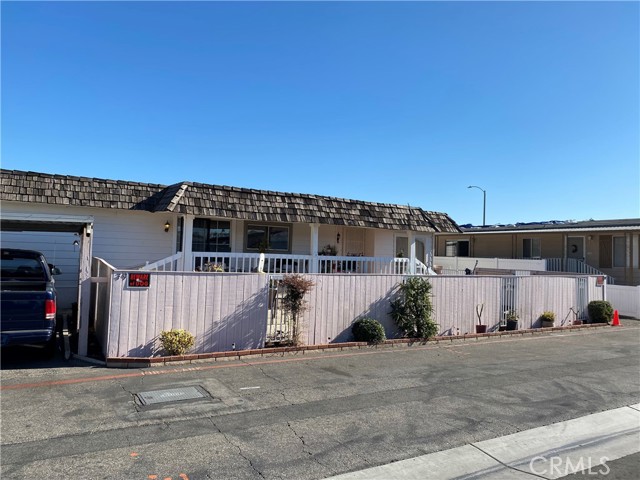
<point>170,395</point>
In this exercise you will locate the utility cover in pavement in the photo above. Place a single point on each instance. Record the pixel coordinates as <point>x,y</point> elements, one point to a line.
<point>170,395</point>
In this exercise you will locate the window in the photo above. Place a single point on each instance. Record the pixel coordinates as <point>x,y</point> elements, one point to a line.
<point>211,235</point>
<point>606,247</point>
<point>619,253</point>
<point>531,248</point>
<point>457,248</point>
<point>273,238</point>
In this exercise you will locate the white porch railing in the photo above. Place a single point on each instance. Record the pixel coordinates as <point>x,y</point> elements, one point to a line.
<point>169,264</point>
<point>275,263</point>
<point>285,263</point>
<point>571,265</point>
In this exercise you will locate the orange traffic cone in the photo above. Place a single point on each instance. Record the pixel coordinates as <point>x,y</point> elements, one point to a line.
<point>616,319</point>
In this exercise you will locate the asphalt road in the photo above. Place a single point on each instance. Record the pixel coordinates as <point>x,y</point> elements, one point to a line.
<point>305,416</point>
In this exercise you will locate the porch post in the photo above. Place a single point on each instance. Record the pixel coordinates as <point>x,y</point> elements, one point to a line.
<point>313,267</point>
<point>186,245</point>
<point>412,253</point>
<point>84,290</point>
<point>428,249</point>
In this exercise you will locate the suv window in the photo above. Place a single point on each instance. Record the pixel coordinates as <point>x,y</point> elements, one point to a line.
<point>21,267</point>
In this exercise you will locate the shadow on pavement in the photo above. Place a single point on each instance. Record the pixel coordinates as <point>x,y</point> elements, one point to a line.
<point>22,357</point>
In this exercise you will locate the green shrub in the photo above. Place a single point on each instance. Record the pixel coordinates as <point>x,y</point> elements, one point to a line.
<point>548,316</point>
<point>511,315</point>
<point>368,330</point>
<point>412,311</point>
<point>600,311</point>
<point>176,341</point>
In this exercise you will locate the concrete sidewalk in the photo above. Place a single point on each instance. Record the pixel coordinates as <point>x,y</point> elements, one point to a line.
<point>553,451</point>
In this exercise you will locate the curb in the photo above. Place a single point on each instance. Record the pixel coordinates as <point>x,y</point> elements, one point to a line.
<point>145,362</point>
<point>551,451</point>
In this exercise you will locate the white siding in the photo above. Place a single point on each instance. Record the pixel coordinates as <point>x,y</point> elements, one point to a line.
<point>123,238</point>
<point>327,235</point>
<point>384,243</point>
<point>301,242</point>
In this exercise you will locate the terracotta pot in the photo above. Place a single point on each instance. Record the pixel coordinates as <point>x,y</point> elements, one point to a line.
<point>481,329</point>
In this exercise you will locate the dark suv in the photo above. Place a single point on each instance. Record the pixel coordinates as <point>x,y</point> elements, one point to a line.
<point>27,299</point>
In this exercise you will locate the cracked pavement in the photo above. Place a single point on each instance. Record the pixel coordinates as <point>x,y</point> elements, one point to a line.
<point>307,416</point>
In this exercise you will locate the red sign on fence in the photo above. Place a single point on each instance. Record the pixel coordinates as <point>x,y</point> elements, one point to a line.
<point>139,280</point>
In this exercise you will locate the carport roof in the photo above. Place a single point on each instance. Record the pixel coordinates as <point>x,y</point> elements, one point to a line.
<point>555,226</point>
<point>218,201</point>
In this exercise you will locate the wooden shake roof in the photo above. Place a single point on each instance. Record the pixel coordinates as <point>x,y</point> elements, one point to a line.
<point>217,201</point>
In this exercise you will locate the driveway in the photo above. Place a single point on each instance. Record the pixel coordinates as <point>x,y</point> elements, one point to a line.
<point>307,416</point>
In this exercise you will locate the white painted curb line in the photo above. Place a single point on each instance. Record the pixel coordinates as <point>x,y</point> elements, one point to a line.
<point>553,451</point>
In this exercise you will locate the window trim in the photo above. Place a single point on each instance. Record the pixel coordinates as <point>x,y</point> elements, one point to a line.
<point>210,220</point>
<point>613,251</point>
<point>450,243</point>
<point>268,225</point>
<point>532,249</point>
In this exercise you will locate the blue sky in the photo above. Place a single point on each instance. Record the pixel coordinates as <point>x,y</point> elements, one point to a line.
<point>408,103</point>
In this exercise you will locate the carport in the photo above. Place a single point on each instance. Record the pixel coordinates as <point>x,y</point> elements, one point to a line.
<point>83,226</point>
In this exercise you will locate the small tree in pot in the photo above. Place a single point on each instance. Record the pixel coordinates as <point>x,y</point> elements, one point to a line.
<point>512,320</point>
<point>480,328</point>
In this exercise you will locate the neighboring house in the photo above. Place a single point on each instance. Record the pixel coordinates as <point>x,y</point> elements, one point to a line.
<point>610,246</point>
<point>130,224</point>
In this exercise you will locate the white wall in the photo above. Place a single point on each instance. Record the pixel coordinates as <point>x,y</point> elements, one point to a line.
<point>123,238</point>
<point>625,299</point>
<point>301,242</point>
<point>384,243</point>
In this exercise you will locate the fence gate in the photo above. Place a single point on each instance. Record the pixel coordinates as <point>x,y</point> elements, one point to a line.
<point>582,297</point>
<point>508,297</point>
<point>279,325</point>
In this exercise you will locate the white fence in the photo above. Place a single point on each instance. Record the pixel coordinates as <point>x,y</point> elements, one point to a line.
<point>457,265</point>
<point>230,310</point>
<point>224,312</point>
<point>625,299</point>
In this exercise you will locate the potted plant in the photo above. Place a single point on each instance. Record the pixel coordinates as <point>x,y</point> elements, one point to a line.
<point>547,318</point>
<point>480,327</point>
<point>512,320</point>
<point>329,250</point>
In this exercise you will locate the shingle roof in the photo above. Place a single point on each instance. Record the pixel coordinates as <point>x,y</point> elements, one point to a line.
<point>217,201</point>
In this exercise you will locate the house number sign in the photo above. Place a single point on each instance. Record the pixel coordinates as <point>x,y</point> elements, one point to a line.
<point>139,280</point>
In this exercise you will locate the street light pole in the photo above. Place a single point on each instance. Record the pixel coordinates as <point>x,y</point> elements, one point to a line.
<point>484,204</point>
